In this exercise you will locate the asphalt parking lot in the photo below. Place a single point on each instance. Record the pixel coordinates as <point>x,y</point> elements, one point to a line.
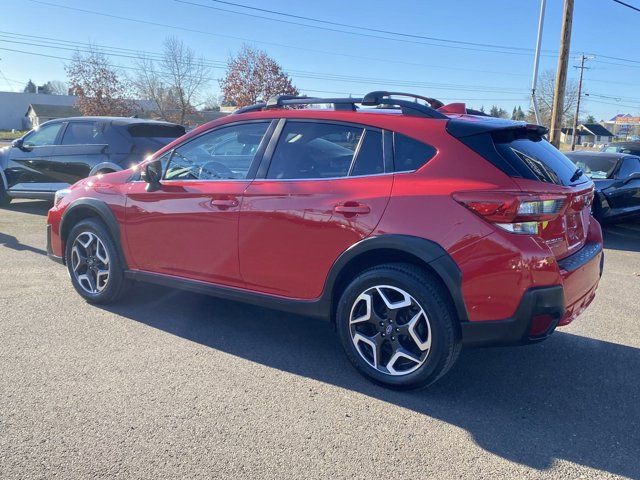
<point>178,385</point>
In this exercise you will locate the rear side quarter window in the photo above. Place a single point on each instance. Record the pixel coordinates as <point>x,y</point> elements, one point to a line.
<point>410,154</point>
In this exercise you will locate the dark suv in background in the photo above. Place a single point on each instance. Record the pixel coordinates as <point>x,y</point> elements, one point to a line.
<point>60,152</point>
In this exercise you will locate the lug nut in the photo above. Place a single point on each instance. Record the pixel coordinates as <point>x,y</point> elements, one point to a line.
<point>382,324</point>
<point>383,334</point>
<point>397,329</point>
<point>393,338</point>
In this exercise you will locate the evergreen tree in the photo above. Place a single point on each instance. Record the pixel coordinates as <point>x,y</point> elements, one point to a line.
<point>498,112</point>
<point>30,87</point>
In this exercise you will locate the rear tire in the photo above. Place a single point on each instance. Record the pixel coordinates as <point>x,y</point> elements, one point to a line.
<point>404,315</point>
<point>94,264</point>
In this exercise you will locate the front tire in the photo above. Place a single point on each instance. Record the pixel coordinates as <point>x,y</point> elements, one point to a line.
<point>5,199</point>
<point>398,327</point>
<point>93,262</point>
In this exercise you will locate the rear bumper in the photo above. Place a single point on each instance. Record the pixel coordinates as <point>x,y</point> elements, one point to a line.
<point>542,309</point>
<point>515,330</point>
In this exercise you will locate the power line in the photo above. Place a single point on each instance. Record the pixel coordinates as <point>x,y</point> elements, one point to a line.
<point>490,48</point>
<point>295,47</point>
<point>88,48</point>
<point>627,5</point>
<point>494,49</point>
<point>311,75</point>
<point>635,107</point>
<point>218,63</point>
<point>368,29</point>
<point>242,39</point>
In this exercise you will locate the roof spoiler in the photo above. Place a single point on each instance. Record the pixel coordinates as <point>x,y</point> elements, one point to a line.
<point>466,127</point>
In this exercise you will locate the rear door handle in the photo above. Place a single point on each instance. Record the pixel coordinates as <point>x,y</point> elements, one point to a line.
<point>352,208</point>
<point>223,203</point>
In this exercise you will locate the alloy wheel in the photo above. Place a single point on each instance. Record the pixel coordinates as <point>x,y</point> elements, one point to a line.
<point>390,330</point>
<point>90,262</point>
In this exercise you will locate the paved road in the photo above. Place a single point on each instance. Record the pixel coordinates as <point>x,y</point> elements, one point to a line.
<point>177,385</point>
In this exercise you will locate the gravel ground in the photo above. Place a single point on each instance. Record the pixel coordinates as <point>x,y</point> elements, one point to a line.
<point>176,385</point>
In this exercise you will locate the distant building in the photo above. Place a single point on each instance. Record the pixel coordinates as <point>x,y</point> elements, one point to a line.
<point>624,126</point>
<point>38,113</point>
<point>23,111</point>
<point>593,133</point>
<point>14,105</point>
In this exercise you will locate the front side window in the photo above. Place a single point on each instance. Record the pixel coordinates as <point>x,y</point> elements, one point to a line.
<point>223,154</point>
<point>629,165</point>
<point>83,133</point>
<point>308,150</point>
<point>45,135</point>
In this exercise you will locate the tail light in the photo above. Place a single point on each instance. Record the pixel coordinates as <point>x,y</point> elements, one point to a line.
<point>515,212</point>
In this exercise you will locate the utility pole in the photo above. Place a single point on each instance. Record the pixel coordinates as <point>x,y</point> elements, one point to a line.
<point>561,74</point>
<point>536,62</point>
<point>575,119</point>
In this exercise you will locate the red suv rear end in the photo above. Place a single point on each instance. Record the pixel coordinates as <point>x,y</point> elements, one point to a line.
<point>414,228</point>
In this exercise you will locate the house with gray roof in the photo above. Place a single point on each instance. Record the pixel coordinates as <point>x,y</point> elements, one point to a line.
<point>592,133</point>
<point>14,105</point>
<point>38,113</point>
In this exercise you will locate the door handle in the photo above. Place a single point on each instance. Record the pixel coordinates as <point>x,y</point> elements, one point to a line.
<point>223,203</point>
<point>352,208</point>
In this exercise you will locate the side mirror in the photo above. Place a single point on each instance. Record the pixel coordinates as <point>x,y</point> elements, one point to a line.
<point>18,143</point>
<point>633,176</point>
<point>152,174</point>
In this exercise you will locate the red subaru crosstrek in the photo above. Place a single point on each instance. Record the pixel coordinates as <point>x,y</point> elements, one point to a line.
<point>414,228</point>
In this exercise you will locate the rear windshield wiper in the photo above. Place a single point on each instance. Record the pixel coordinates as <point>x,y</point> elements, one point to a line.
<point>576,175</point>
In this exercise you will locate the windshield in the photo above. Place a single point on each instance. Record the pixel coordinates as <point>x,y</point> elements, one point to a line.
<point>596,167</point>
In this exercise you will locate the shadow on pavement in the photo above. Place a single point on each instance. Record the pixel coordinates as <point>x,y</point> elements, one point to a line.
<point>622,236</point>
<point>9,241</point>
<point>570,398</point>
<point>33,207</point>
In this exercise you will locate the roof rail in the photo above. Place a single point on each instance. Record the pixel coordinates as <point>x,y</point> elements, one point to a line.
<point>256,107</point>
<point>377,98</point>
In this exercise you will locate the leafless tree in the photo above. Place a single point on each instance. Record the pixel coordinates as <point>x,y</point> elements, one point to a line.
<point>57,87</point>
<point>251,76</point>
<point>100,88</point>
<point>544,95</point>
<point>174,82</point>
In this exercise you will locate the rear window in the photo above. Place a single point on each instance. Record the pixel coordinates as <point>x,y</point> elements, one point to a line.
<point>147,138</point>
<point>410,154</point>
<point>535,158</point>
<point>156,131</point>
<point>83,133</point>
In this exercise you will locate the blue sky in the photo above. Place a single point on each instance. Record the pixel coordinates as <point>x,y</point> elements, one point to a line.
<point>342,63</point>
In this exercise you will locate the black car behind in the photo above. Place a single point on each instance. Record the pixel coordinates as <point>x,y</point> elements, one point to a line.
<point>60,152</point>
<point>632,148</point>
<point>617,180</point>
